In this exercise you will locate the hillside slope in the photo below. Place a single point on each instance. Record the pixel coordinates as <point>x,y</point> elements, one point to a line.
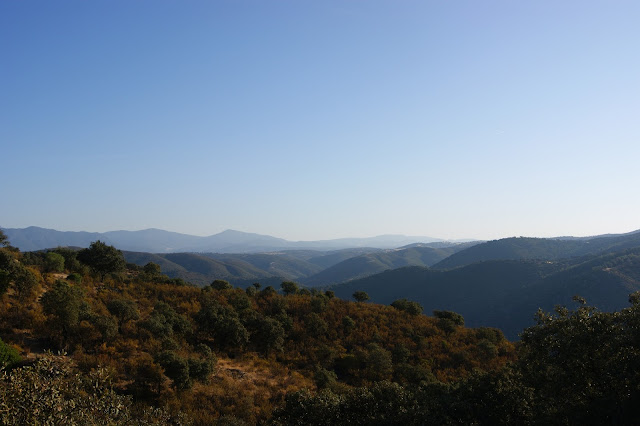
<point>539,248</point>
<point>506,293</point>
<point>199,269</point>
<point>373,263</point>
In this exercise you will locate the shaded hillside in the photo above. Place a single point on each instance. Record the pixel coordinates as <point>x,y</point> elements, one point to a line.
<point>272,264</point>
<point>199,269</point>
<point>506,294</point>
<point>539,248</point>
<point>330,258</point>
<point>605,282</point>
<point>373,263</point>
<point>243,269</point>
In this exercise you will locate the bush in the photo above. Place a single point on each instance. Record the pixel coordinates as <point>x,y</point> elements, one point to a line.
<point>51,392</point>
<point>8,355</point>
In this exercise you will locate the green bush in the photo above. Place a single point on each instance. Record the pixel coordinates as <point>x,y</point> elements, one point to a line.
<point>8,355</point>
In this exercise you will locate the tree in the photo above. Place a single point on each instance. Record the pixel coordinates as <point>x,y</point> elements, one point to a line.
<point>449,320</point>
<point>24,282</point>
<point>164,321</point>
<point>378,363</point>
<point>268,291</point>
<point>8,265</point>
<point>13,272</point>
<point>223,324</point>
<point>152,269</point>
<point>268,334</point>
<point>360,296</point>
<point>412,308</point>
<point>583,365</point>
<point>348,324</point>
<point>289,287</point>
<point>53,262</point>
<point>4,240</point>
<point>221,285</point>
<point>123,309</point>
<point>176,368</point>
<point>64,302</point>
<point>8,355</point>
<point>102,258</point>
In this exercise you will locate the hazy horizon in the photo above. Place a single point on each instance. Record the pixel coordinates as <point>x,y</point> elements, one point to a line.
<point>321,120</point>
<point>326,238</point>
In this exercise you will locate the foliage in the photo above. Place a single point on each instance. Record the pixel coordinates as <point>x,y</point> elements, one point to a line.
<point>54,262</point>
<point>64,302</point>
<point>124,310</point>
<point>289,287</point>
<point>8,355</point>
<point>412,308</point>
<point>102,258</point>
<point>152,269</point>
<point>221,285</point>
<point>454,317</point>
<point>4,240</point>
<point>574,367</point>
<point>360,296</point>
<point>51,392</point>
<point>12,271</point>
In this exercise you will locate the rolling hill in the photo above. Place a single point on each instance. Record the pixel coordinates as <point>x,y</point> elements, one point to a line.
<point>373,263</point>
<point>507,293</point>
<point>539,248</point>
<point>199,269</point>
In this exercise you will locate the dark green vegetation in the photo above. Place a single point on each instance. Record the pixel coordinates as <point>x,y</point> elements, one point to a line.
<point>540,248</point>
<point>373,263</point>
<point>504,293</point>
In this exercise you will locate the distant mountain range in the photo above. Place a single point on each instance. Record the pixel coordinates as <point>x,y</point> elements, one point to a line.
<point>159,241</point>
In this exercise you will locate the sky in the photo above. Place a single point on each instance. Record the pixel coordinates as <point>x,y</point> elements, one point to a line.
<point>321,119</point>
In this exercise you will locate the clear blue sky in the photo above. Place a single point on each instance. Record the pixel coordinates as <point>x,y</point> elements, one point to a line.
<point>321,119</point>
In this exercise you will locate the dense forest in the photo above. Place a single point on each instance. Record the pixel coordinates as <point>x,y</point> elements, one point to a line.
<point>87,338</point>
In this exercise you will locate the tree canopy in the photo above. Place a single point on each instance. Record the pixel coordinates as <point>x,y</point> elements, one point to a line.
<point>103,259</point>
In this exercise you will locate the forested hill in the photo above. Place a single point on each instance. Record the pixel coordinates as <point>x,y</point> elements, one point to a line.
<point>372,263</point>
<point>201,354</point>
<point>245,268</point>
<point>202,269</point>
<point>539,248</point>
<point>506,293</point>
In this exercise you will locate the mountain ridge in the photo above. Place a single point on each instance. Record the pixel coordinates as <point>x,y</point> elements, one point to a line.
<point>153,240</point>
